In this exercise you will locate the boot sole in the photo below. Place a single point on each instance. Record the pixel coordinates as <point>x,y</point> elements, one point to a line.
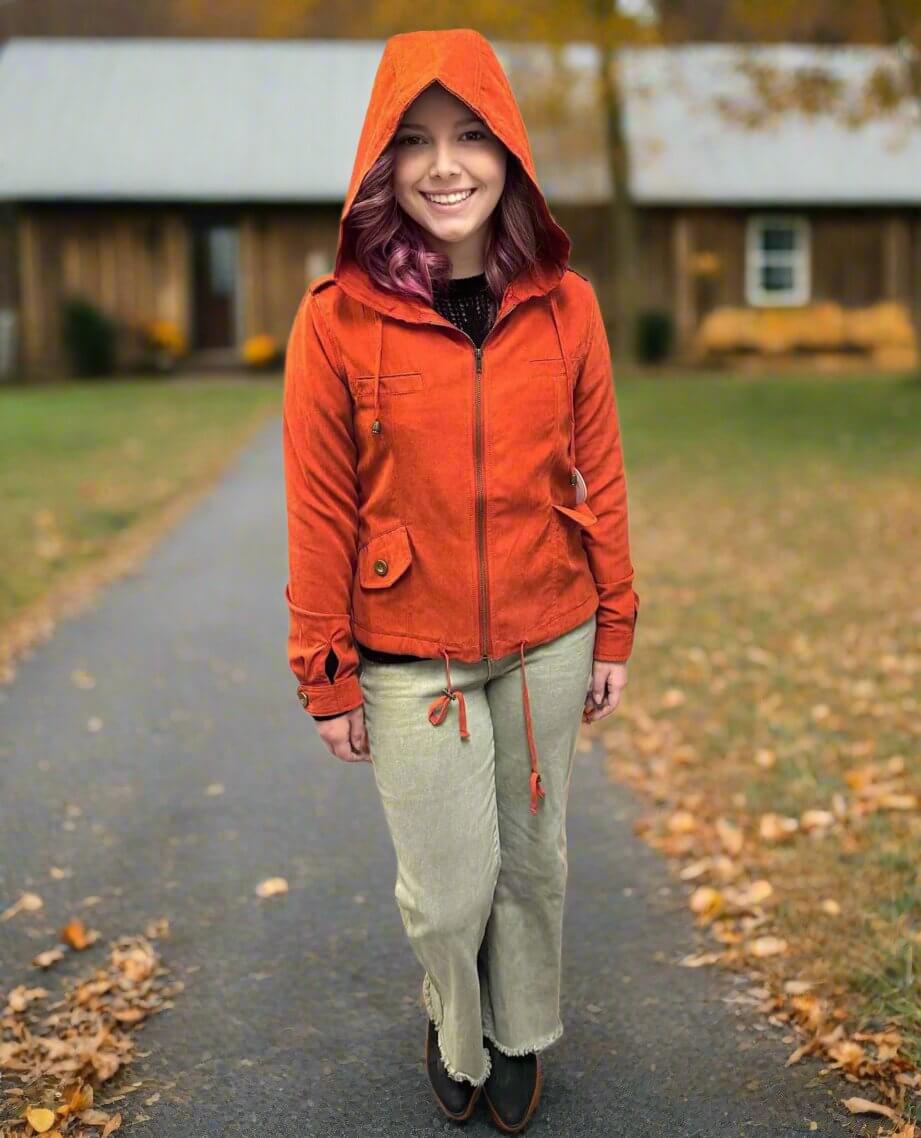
<point>528,1114</point>
<point>471,1106</point>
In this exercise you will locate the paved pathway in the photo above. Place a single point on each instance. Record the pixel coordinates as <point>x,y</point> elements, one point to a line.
<point>301,1014</point>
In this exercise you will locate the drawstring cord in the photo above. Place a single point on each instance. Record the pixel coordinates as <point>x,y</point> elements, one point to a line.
<point>537,791</point>
<point>438,710</point>
<point>573,478</point>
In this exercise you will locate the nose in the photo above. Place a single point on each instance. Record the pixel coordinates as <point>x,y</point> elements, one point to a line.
<point>444,164</point>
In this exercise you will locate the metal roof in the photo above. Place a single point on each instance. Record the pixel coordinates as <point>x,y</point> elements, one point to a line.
<point>268,120</point>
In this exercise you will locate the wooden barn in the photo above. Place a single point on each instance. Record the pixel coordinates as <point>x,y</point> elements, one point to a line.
<point>195,185</point>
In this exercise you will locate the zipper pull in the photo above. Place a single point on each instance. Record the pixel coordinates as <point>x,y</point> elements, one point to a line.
<point>479,359</point>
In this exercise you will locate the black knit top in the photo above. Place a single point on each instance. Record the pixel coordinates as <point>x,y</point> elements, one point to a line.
<point>468,304</point>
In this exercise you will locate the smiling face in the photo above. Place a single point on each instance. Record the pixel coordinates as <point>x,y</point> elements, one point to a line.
<point>448,175</point>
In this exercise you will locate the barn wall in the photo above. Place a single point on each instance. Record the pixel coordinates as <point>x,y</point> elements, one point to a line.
<point>858,257</point>
<point>282,249</point>
<point>135,262</point>
<point>131,262</point>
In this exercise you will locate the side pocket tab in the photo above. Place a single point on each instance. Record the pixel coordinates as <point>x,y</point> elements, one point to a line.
<point>583,514</point>
<point>384,559</point>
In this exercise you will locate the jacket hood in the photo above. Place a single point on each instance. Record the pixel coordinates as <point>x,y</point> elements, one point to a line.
<point>464,62</point>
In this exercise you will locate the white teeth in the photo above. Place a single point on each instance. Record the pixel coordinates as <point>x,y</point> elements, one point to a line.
<point>449,199</point>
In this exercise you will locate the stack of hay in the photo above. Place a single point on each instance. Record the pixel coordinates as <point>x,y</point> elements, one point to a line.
<point>882,333</point>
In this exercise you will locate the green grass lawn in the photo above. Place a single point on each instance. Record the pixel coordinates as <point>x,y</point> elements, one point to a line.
<point>83,462</point>
<point>776,536</point>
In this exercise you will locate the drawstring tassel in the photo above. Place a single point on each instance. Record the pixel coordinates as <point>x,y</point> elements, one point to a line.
<point>537,791</point>
<point>438,708</point>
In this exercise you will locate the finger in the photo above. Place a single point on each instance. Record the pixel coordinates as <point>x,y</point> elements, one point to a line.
<point>358,736</point>
<point>342,749</point>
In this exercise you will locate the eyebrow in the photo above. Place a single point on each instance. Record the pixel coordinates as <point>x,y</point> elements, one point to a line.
<point>460,122</point>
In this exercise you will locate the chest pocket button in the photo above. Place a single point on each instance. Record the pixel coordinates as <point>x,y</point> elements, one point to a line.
<point>380,567</point>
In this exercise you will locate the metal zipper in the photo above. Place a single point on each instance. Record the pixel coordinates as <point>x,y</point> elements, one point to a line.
<point>480,490</point>
<point>481,505</point>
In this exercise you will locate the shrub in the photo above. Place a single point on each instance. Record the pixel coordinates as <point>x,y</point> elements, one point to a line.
<point>262,351</point>
<point>89,338</point>
<point>653,335</point>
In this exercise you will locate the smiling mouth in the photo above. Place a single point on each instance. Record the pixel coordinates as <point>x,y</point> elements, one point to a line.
<point>449,200</point>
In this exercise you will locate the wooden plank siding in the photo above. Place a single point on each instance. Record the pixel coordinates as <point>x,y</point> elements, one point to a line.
<point>134,261</point>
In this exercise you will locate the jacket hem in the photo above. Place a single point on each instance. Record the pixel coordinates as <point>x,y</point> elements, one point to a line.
<point>400,643</point>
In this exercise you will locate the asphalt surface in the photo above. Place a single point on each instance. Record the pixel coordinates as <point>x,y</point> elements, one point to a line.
<point>301,1013</point>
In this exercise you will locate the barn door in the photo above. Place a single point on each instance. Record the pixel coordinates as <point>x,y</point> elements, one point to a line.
<point>215,261</point>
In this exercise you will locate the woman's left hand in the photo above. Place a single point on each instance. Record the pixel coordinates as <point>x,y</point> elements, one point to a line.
<point>608,681</point>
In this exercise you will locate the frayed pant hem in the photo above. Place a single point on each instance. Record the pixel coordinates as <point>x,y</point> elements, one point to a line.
<point>433,1009</point>
<point>538,1044</point>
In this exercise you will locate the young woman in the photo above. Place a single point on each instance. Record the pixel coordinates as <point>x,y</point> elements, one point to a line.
<point>448,560</point>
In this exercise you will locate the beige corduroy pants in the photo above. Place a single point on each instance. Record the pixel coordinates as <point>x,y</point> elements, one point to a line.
<point>481,881</point>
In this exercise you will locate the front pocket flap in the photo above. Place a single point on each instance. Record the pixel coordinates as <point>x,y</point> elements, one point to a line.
<point>581,513</point>
<point>393,383</point>
<point>385,559</point>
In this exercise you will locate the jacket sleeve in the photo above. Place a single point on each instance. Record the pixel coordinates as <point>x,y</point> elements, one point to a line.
<point>599,457</point>
<point>321,488</point>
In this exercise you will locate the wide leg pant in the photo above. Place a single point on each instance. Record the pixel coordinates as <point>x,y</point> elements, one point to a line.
<point>481,880</point>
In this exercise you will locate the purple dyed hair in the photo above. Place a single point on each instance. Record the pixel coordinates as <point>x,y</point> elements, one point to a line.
<point>390,246</point>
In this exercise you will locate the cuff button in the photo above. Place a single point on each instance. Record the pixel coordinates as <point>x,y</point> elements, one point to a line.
<point>303,697</point>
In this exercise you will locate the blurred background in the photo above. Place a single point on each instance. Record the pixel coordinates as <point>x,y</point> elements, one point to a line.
<point>742,184</point>
<point>740,179</point>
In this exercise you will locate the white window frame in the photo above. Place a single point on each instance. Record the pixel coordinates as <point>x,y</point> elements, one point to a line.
<point>799,258</point>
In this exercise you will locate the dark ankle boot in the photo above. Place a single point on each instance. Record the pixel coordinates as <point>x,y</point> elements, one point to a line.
<point>512,1090</point>
<point>456,1099</point>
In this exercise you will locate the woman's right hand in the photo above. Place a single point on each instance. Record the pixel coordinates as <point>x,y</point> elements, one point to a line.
<point>346,737</point>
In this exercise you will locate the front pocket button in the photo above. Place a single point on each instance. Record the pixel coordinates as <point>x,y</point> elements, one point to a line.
<point>380,567</point>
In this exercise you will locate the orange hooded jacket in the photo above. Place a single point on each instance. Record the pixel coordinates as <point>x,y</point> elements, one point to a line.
<point>432,494</point>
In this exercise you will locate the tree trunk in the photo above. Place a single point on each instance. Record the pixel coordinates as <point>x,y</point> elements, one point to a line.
<point>621,282</point>
<point>897,33</point>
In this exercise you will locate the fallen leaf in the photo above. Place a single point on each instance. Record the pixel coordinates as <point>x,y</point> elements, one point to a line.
<point>271,886</point>
<point>27,903</point>
<point>730,835</point>
<point>40,1119</point>
<point>48,957</point>
<point>816,820</point>
<point>699,959</point>
<point>681,822</point>
<point>74,935</point>
<point>706,901</point>
<point>864,1106</point>
<point>767,946</point>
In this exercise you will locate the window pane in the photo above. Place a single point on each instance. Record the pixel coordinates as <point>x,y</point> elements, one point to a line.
<point>222,258</point>
<point>777,278</point>
<point>778,238</point>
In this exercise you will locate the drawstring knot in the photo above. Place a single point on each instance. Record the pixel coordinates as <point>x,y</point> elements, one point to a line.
<point>438,708</point>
